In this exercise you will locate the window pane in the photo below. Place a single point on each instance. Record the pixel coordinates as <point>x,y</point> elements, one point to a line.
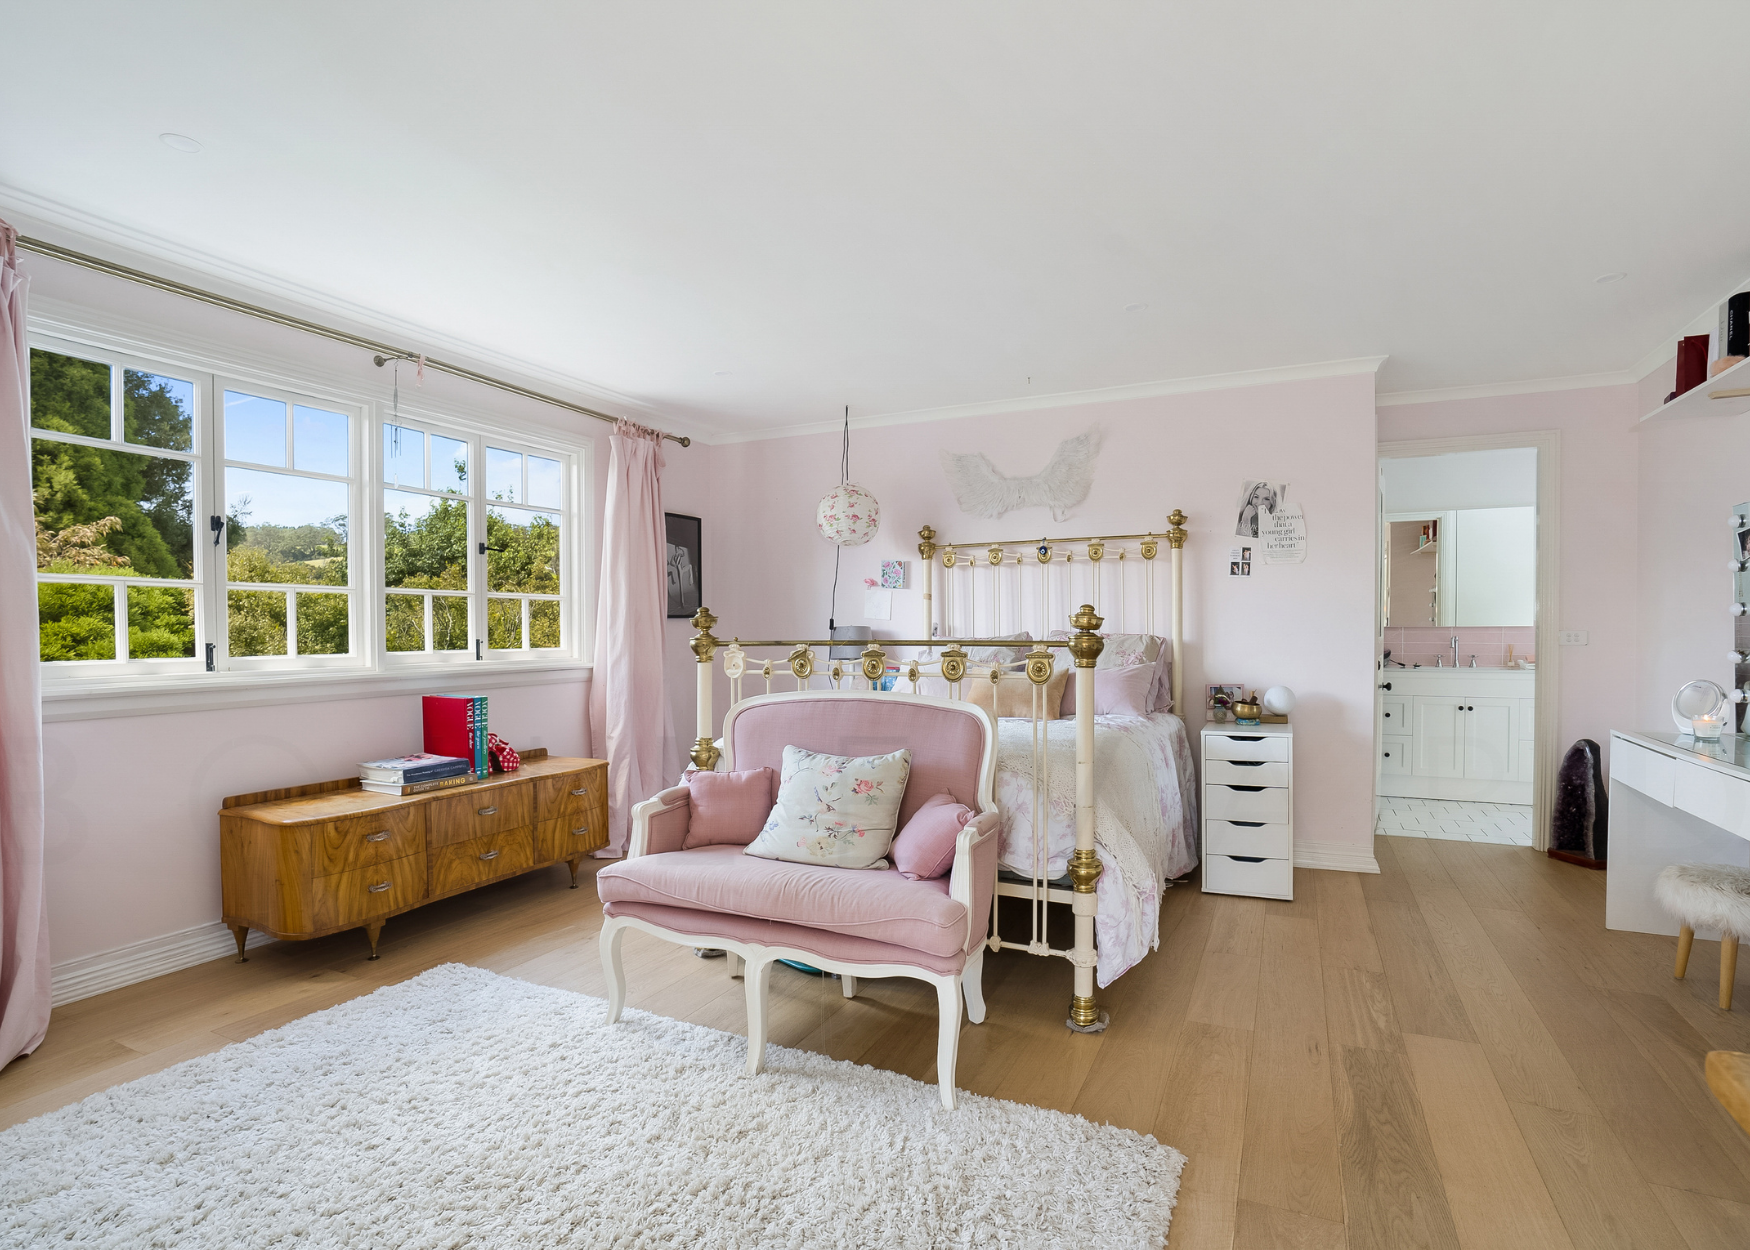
<point>255,429</point>
<point>319,440</point>
<point>157,411</point>
<point>504,475</point>
<point>543,623</point>
<point>160,622</point>
<point>109,511</point>
<point>449,465</point>
<point>322,624</point>
<point>69,394</point>
<point>285,528</point>
<point>404,620</point>
<point>403,456</point>
<point>258,621</point>
<point>425,541</point>
<point>544,483</point>
<point>75,621</point>
<point>522,551</point>
<point>449,623</point>
<point>504,624</point>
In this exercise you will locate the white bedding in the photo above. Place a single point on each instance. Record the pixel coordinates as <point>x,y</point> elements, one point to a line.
<point>1145,820</point>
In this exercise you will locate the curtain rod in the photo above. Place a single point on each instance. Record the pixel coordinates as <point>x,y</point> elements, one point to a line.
<point>383,353</point>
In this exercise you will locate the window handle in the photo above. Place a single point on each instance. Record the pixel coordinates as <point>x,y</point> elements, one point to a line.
<point>217,525</point>
<point>477,654</point>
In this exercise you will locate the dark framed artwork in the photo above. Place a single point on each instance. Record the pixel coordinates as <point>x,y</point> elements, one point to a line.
<point>684,567</point>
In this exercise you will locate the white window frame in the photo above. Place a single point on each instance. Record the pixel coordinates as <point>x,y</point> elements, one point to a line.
<point>83,689</point>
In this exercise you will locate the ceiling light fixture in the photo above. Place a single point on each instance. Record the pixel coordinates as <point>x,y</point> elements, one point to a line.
<point>182,143</point>
<point>1134,307</point>
<point>1604,279</point>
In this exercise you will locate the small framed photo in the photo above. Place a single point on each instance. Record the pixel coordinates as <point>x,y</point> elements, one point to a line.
<point>684,568</point>
<point>1224,696</point>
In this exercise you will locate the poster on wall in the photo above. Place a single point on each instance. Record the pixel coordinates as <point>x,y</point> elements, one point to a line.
<point>1284,538</point>
<point>1259,501</point>
<point>684,537</point>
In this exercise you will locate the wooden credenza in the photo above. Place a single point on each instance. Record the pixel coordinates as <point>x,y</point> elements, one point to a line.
<point>312,860</point>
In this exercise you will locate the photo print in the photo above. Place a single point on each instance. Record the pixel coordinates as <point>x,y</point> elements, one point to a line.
<point>1258,503</point>
<point>684,535</point>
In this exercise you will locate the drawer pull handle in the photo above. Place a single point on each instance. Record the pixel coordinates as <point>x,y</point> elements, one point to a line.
<point>382,836</point>
<point>578,833</point>
<point>1247,789</point>
<point>1244,737</point>
<point>583,791</point>
<point>378,888</point>
<point>487,811</point>
<point>1250,824</point>
<point>489,855</point>
<point>1248,859</point>
<point>1245,763</point>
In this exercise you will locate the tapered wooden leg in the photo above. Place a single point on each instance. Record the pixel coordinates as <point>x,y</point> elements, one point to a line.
<point>848,984</point>
<point>737,965</point>
<point>574,865</point>
<point>1728,968</point>
<point>373,929</point>
<point>947,1036</point>
<point>972,986</point>
<point>241,933</point>
<point>1685,940</point>
<point>755,979</point>
<point>616,974</point>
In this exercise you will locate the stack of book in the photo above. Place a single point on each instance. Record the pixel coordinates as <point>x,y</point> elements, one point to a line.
<point>415,774</point>
<point>455,724</point>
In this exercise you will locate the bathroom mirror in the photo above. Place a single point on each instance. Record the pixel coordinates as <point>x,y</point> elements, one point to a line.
<point>1459,544</point>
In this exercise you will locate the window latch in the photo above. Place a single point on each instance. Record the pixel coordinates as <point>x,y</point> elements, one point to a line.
<point>217,525</point>
<point>484,548</point>
<point>477,654</point>
<point>210,657</point>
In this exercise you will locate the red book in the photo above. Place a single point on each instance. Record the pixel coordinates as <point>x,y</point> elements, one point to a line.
<point>1691,362</point>
<point>449,725</point>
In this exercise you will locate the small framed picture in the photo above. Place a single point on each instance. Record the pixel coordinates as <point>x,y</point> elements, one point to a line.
<point>684,568</point>
<point>1223,696</point>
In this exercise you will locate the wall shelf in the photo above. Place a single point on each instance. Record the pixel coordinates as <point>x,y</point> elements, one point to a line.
<point>1699,402</point>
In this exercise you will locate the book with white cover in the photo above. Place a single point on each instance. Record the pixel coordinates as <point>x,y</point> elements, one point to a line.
<point>406,769</point>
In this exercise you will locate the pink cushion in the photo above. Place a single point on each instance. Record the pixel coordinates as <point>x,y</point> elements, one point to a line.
<point>924,849</point>
<point>946,743</point>
<point>1127,691</point>
<point>859,902</point>
<point>727,809</point>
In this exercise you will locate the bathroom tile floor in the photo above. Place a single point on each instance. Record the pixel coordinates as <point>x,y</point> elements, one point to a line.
<point>1506,824</point>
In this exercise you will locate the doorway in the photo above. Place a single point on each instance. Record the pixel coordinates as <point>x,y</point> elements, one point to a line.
<point>1465,640</point>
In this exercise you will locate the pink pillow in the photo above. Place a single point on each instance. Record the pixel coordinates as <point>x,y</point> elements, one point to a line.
<point>924,849</point>
<point>1127,691</point>
<point>728,809</point>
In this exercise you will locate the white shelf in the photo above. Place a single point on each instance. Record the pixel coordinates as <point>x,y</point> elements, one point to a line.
<point>1698,402</point>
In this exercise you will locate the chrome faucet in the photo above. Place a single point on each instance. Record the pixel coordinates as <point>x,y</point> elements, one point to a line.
<point>1455,651</point>
<point>1473,660</point>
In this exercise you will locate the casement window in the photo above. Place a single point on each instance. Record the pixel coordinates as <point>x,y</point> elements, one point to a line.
<point>193,521</point>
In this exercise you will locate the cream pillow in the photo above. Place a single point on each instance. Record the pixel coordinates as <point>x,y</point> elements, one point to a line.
<point>834,809</point>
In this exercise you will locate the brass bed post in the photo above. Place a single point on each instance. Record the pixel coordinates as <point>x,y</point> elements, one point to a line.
<point>927,550</point>
<point>705,753</point>
<point>1084,863</point>
<point>1176,537</point>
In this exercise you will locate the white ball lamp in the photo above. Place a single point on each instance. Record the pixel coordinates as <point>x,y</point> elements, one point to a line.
<point>848,515</point>
<point>1279,700</point>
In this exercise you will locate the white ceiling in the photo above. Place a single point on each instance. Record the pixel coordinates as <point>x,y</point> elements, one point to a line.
<point>742,216</point>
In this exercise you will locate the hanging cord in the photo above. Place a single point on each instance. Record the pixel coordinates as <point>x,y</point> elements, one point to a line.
<point>837,551</point>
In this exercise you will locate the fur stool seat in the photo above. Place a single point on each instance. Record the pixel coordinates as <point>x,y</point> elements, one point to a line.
<point>1708,896</point>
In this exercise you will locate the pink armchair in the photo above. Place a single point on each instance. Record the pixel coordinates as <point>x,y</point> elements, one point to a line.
<point>854,922</point>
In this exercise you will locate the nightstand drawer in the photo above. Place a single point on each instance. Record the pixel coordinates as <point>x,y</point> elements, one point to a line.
<point>1246,772</point>
<point>1264,878</point>
<point>1227,802</point>
<point>1240,745</point>
<point>1234,837</point>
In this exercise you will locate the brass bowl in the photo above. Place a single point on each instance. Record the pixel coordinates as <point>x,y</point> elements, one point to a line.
<point>1247,711</point>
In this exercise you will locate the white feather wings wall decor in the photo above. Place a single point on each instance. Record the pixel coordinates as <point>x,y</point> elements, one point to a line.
<point>981,489</point>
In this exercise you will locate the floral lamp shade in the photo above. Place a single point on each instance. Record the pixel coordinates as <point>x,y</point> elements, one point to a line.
<point>848,515</point>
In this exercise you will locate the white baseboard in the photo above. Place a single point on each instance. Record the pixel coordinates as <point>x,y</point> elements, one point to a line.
<point>1335,856</point>
<point>73,979</point>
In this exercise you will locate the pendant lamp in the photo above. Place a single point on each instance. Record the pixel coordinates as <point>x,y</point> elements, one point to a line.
<point>847,515</point>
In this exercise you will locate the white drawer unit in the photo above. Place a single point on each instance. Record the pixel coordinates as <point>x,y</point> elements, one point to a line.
<point>1248,810</point>
<point>1394,757</point>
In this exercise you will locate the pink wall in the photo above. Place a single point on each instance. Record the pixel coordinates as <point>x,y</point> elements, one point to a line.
<point>1308,626</point>
<point>1600,537</point>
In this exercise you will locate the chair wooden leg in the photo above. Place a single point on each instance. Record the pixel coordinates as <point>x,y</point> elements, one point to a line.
<point>611,966</point>
<point>755,979</point>
<point>848,984</point>
<point>737,965</point>
<point>948,1036</point>
<point>972,986</point>
<point>1685,940</point>
<point>1728,968</point>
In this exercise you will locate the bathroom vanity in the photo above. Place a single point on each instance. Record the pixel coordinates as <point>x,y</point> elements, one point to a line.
<point>1673,800</point>
<point>1456,733</point>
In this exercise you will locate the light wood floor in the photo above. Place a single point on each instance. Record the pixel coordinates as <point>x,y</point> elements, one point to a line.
<point>1454,1053</point>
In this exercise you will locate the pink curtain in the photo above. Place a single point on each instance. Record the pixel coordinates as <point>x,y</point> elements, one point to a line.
<point>24,930</point>
<point>629,720</point>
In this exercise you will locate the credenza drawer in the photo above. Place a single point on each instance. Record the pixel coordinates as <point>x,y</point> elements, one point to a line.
<point>1242,746</point>
<point>1238,837</point>
<point>360,841</point>
<point>463,865</point>
<point>1266,878</point>
<point>1228,802</point>
<point>353,897</point>
<point>490,810</point>
<point>575,794</point>
<point>564,839</point>
<point>1246,772</point>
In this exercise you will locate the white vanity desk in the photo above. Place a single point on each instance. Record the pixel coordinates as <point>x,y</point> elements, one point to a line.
<point>1673,800</point>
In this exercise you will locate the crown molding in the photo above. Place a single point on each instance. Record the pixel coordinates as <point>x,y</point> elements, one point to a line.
<point>1065,399</point>
<point>1492,390</point>
<point>71,227</point>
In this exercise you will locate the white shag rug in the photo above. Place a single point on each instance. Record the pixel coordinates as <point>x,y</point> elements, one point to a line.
<point>463,1108</point>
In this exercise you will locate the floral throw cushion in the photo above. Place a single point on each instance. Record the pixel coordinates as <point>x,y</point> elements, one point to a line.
<point>835,809</point>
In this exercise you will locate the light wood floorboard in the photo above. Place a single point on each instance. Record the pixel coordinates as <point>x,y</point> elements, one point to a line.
<point>1452,1053</point>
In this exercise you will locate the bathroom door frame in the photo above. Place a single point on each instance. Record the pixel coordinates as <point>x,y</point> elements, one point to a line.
<point>1546,749</point>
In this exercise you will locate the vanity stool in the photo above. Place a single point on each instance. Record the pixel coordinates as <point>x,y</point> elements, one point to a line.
<point>1708,896</point>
